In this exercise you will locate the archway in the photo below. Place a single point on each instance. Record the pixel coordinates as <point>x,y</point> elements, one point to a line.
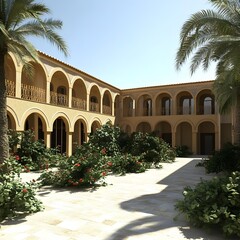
<point>35,123</point>
<point>184,135</point>
<point>143,127</point>
<point>206,138</point>
<point>58,135</point>
<point>164,131</point>
<point>79,134</point>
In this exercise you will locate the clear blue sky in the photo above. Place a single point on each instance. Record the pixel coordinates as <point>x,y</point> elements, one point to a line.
<point>126,43</point>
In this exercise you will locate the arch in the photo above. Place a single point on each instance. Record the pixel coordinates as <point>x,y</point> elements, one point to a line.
<point>79,134</point>
<point>205,102</point>
<point>79,94</point>
<point>144,105</point>
<point>41,114</point>
<point>163,104</point>
<point>184,135</point>
<point>33,87</point>
<point>163,129</point>
<point>37,124</point>
<point>107,102</point>
<point>128,106</point>
<point>13,118</point>
<point>59,135</point>
<point>94,99</point>
<point>10,75</point>
<point>144,127</point>
<point>78,78</point>
<point>206,137</point>
<point>64,117</point>
<point>95,125</point>
<point>59,81</point>
<point>11,121</point>
<point>185,103</point>
<point>117,107</point>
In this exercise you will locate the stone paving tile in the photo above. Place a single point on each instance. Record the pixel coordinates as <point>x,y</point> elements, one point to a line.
<point>135,206</point>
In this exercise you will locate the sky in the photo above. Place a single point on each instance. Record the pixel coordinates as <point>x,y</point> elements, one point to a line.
<point>126,43</point>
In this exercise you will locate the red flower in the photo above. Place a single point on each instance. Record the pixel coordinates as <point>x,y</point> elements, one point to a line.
<point>77,165</point>
<point>109,164</point>
<point>104,174</point>
<point>24,190</point>
<point>17,157</point>
<point>80,180</point>
<point>103,151</point>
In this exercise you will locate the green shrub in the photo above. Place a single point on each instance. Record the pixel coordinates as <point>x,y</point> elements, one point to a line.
<point>151,149</point>
<point>106,138</point>
<point>122,164</point>
<point>182,151</point>
<point>215,202</point>
<point>33,155</point>
<point>225,160</point>
<point>16,198</point>
<point>86,168</point>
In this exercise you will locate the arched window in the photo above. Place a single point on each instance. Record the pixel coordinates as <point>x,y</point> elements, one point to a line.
<point>166,106</point>
<point>147,107</point>
<point>208,106</point>
<point>187,106</point>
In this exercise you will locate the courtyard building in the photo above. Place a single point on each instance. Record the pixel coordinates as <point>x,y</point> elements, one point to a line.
<point>63,105</point>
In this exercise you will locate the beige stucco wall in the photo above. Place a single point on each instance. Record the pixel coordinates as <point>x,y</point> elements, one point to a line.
<point>128,108</point>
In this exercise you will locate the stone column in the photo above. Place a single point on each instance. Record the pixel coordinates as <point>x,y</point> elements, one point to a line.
<point>18,84</point>
<point>69,144</point>
<point>47,139</point>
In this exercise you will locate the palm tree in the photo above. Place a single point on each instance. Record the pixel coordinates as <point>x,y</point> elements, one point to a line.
<point>20,19</point>
<point>214,36</point>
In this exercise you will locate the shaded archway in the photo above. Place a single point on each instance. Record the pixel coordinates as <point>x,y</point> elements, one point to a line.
<point>143,127</point>
<point>164,131</point>
<point>58,135</point>
<point>206,138</point>
<point>11,121</point>
<point>107,103</point>
<point>94,98</point>
<point>59,89</point>
<point>36,123</point>
<point>79,134</point>
<point>144,106</point>
<point>79,95</point>
<point>10,74</point>
<point>33,87</point>
<point>205,102</point>
<point>128,107</point>
<point>184,135</point>
<point>185,103</point>
<point>163,104</point>
<point>95,125</point>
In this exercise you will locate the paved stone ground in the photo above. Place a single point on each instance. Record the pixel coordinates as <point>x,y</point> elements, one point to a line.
<point>135,206</point>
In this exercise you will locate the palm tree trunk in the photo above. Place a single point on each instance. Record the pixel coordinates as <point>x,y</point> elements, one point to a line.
<point>4,145</point>
<point>237,121</point>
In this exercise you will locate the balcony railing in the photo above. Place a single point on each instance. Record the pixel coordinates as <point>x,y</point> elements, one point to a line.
<point>107,110</point>
<point>10,85</point>
<point>79,103</point>
<point>58,99</point>
<point>33,93</point>
<point>94,107</point>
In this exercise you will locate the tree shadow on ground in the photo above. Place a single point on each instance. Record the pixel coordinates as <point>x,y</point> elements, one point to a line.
<point>159,212</point>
